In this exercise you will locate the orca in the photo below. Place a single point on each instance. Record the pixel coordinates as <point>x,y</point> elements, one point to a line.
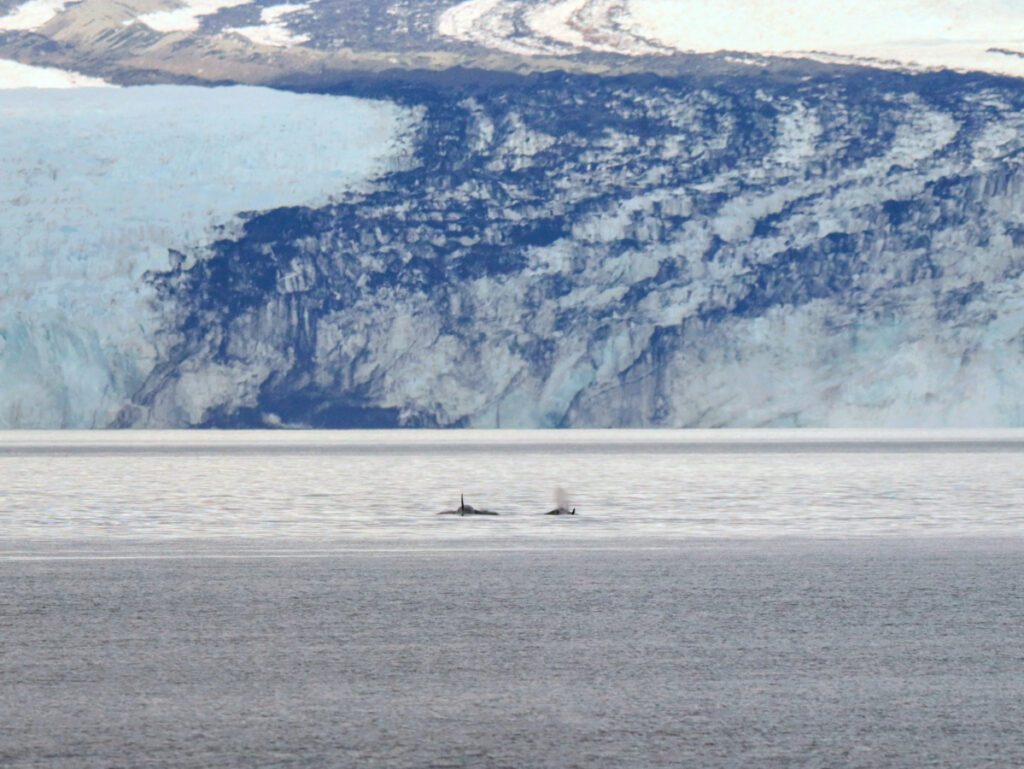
<point>465,509</point>
<point>562,511</point>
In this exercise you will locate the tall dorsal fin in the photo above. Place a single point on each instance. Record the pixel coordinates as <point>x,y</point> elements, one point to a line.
<point>462,501</point>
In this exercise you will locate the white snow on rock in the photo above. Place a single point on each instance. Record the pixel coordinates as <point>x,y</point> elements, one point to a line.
<point>99,184</point>
<point>492,24</point>
<point>589,25</point>
<point>983,35</point>
<point>958,34</point>
<point>274,30</point>
<point>32,15</point>
<point>14,74</point>
<point>560,28</point>
<point>186,18</point>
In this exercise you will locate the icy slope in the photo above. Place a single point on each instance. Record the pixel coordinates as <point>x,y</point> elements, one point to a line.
<point>16,75</point>
<point>31,15</point>
<point>99,184</point>
<point>595,251</point>
<point>984,35</point>
<point>273,42</point>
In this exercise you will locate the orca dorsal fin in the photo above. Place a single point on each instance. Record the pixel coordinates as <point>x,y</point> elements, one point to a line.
<point>573,511</point>
<point>462,501</point>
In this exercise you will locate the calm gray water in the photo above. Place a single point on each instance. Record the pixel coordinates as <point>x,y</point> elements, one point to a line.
<point>721,600</point>
<point>360,489</point>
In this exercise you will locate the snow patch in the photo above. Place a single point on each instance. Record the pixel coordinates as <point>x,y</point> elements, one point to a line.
<point>592,25</point>
<point>274,30</point>
<point>904,34</point>
<point>186,18</point>
<point>32,15</point>
<point>14,74</point>
<point>528,28</point>
<point>493,24</point>
<point>956,34</point>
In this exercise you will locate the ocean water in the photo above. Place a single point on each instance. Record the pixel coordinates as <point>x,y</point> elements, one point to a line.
<point>819,599</point>
<point>365,488</point>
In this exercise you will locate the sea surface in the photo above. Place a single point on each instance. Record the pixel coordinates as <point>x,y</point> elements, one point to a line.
<point>356,489</point>
<point>721,599</point>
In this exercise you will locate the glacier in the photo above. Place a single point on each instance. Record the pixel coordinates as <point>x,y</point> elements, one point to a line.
<point>515,213</point>
<point>102,186</point>
<point>630,251</point>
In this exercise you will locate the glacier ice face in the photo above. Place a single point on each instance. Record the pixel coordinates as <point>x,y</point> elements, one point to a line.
<point>631,251</point>
<point>100,185</point>
<point>730,239</point>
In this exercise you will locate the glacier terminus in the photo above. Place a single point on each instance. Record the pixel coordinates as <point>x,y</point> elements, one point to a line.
<point>515,214</point>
